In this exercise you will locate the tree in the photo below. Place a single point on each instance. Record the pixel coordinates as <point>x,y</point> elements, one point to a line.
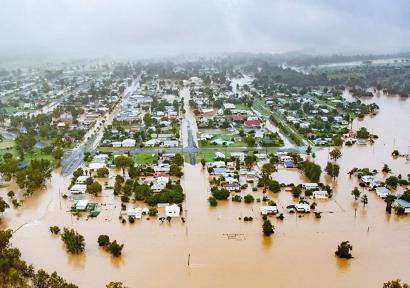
<point>178,159</point>
<point>3,205</point>
<point>343,250</point>
<point>248,198</point>
<point>115,249</point>
<point>335,154</point>
<point>356,193</point>
<point>203,162</point>
<point>123,162</point>
<point>54,230</point>
<point>103,240</point>
<point>267,228</point>
<point>249,160</point>
<point>268,168</point>
<point>386,169</point>
<point>389,201</point>
<point>152,211</point>
<point>115,285</point>
<point>332,169</point>
<point>362,133</point>
<point>311,170</point>
<point>102,172</point>
<point>58,153</point>
<point>147,119</point>
<point>364,200</point>
<point>94,188</point>
<point>395,284</point>
<point>25,143</point>
<point>212,201</point>
<point>392,181</point>
<point>73,241</point>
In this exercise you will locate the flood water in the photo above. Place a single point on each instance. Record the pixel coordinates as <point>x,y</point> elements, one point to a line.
<point>215,249</point>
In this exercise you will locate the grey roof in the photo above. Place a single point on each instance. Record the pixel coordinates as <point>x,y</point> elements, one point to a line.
<point>403,203</point>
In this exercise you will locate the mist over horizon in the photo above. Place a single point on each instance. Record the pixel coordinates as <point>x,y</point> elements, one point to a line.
<point>66,29</point>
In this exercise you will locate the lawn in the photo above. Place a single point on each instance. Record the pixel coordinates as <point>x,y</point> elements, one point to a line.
<point>145,158</point>
<point>35,154</point>
<point>5,144</point>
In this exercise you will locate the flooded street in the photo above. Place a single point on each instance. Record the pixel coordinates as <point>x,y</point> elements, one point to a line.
<point>215,249</point>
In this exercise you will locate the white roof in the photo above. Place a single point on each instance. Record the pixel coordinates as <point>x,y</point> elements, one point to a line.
<point>78,188</point>
<point>172,210</point>
<point>96,165</point>
<point>81,204</point>
<point>81,179</point>
<point>268,209</point>
<point>135,212</point>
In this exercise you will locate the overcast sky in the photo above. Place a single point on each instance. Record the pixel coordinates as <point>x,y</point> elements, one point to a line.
<point>147,28</point>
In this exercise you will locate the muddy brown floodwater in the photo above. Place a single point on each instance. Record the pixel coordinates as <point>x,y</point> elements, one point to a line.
<point>224,252</point>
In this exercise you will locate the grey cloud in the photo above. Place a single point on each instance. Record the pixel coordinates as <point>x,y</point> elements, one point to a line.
<point>145,28</point>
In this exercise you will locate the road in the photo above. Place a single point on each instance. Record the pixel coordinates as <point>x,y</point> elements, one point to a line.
<point>94,136</point>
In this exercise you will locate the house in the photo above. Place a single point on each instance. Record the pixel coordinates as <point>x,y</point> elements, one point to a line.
<point>219,171</point>
<point>302,207</point>
<point>289,164</point>
<point>78,189</point>
<point>228,106</point>
<point>172,211</point>
<point>403,205</point>
<point>232,186</point>
<point>81,205</point>
<point>268,210</point>
<point>319,194</point>
<point>240,155</point>
<point>382,192</point>
<point>254,123</point>
<point>162,167</point>
<point>81,179</point>
<point>219,155</point>
<point>309,186</point>
<point>129,143</point>
<point>170,143</point>
<point>134,213</point>
<point>116,144</point>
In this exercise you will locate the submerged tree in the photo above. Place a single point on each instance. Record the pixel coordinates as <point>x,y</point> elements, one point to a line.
<point>343,250</point>
<point>73,241</point>
<point>364,200</point>
<point>395,284</point>
<point>268,228</point>
<point>115,285</point>
<point>335,154</point>
<point>356,193</point>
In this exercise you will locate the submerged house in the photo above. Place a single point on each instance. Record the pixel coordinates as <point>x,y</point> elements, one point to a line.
<point>172,211</point>
<point>402,205</point>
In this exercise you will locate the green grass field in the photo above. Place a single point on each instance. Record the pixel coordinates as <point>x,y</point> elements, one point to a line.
<point>145,158</point>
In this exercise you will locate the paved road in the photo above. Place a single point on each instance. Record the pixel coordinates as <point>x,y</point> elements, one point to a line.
<point>93,137</point>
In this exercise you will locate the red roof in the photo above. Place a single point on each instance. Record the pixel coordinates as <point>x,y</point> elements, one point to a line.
<point>161,174</point>
<point>253,123</point>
